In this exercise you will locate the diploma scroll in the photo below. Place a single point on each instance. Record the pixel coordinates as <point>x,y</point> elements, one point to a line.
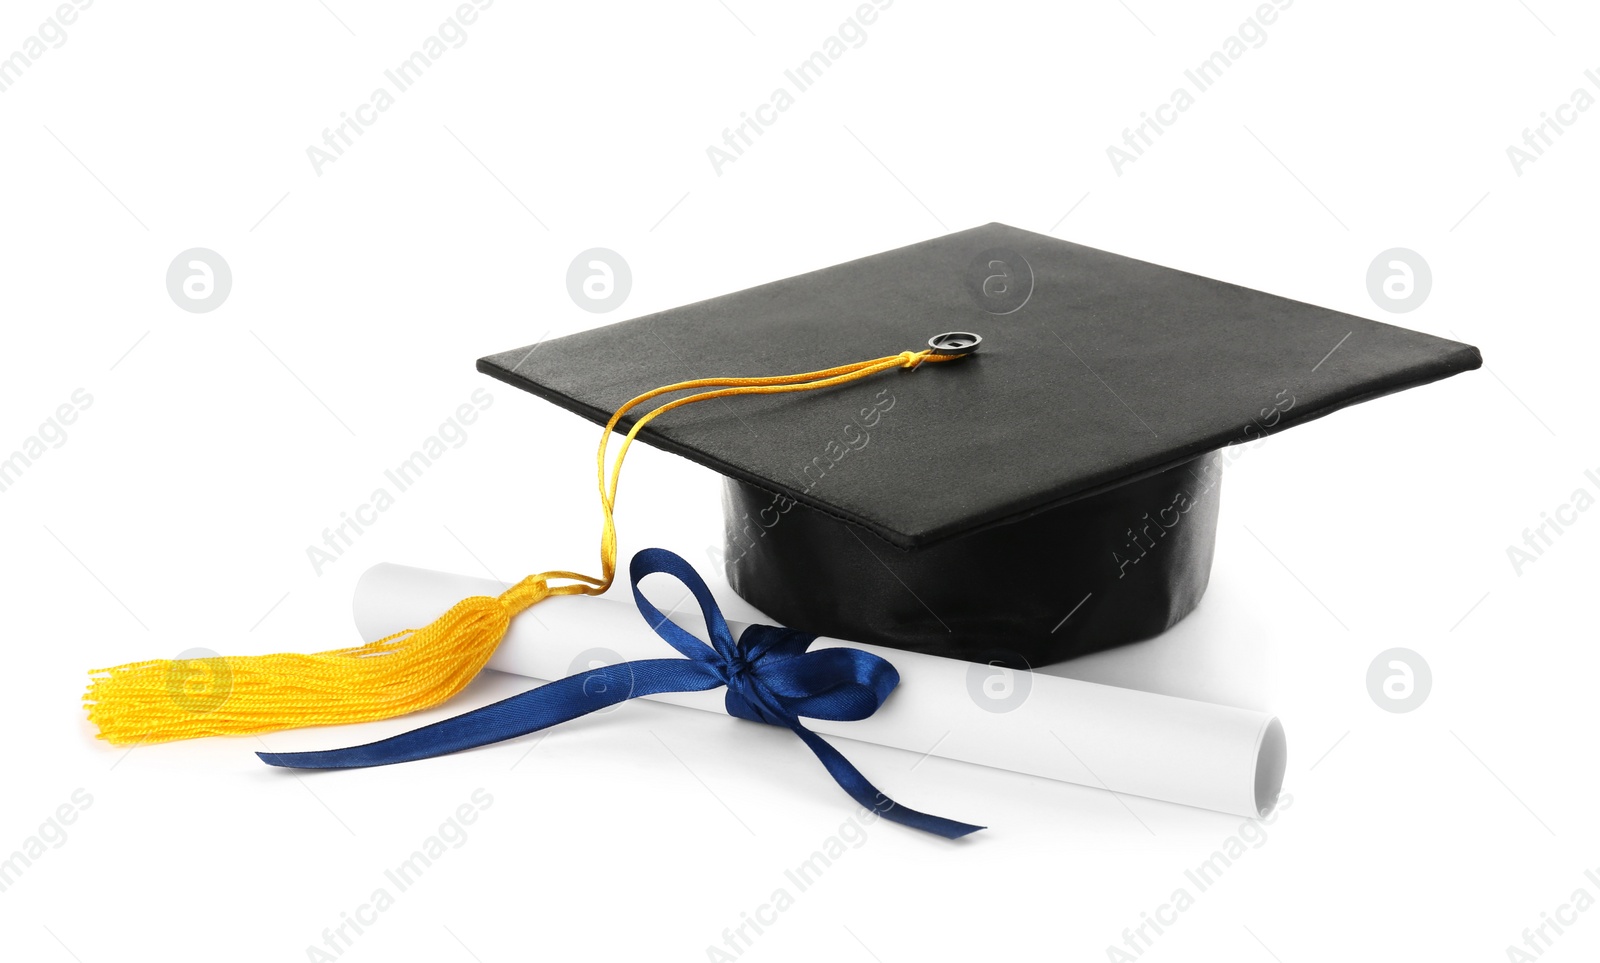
<point>1123,740</point>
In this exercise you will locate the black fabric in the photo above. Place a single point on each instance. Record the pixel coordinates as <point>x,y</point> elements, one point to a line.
<point>1100,382</point>
<point>1088,575</point>
<point>1113,369</point>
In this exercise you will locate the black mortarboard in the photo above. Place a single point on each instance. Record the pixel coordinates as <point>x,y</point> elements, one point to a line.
<point>1051,494</point>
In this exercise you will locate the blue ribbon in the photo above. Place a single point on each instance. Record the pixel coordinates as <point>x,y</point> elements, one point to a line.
<point>769,674</point>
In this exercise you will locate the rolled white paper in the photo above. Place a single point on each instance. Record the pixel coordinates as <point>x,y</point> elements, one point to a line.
<point>1123,740</point>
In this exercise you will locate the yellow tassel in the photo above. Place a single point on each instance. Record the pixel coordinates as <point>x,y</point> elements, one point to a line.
<point>162,700</point>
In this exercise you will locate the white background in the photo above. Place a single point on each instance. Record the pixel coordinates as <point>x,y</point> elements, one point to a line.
<point>218,447</point>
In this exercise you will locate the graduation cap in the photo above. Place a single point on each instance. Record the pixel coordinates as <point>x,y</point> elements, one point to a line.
<point>999,446</point>
<point>1052,493</point>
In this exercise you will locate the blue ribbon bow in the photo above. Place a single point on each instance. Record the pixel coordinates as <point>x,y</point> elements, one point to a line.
<point>769,674</point>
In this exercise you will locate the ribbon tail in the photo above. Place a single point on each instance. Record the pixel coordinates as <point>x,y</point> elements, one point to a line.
<point>863,792</point>
<point>548,705</point>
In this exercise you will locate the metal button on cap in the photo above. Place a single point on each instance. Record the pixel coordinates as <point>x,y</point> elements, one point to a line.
<point>955,342</point>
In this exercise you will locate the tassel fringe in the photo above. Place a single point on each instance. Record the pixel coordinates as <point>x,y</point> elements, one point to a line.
<point>162,700</point>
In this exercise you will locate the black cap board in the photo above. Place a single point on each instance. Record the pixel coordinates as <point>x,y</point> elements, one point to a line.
<point>1053,493</point>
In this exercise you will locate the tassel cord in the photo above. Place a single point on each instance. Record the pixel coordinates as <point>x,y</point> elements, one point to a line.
<point>163,700</point>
